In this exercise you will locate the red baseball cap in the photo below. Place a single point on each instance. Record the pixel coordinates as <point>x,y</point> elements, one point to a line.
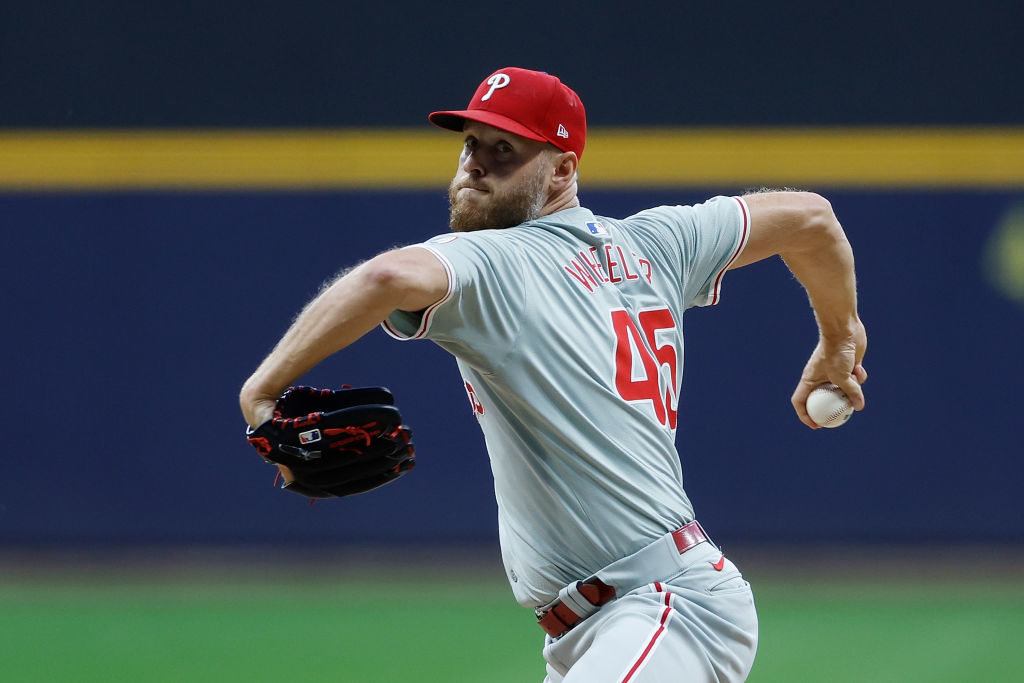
<point>533,104</point>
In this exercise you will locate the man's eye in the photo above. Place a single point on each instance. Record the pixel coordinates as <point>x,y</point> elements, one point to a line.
<point>505,149</point>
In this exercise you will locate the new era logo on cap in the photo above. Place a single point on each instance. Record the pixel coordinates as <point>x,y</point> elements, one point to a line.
<point>532,104</point>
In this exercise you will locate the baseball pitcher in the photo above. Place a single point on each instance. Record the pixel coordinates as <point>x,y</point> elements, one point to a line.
<point>568,332</point>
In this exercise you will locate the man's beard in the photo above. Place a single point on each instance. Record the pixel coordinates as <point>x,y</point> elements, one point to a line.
<point>519,204</point>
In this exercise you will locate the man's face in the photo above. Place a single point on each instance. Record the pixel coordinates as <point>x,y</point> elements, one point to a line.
<point>502,179</point>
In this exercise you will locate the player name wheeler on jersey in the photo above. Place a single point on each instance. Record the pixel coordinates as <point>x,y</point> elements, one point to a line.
<point>568,334</point>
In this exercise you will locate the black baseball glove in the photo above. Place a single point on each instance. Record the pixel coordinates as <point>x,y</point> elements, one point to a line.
<point>335,443</point>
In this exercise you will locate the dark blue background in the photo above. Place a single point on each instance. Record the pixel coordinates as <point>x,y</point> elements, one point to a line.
<point>318,63</point>
<point>132,320</point>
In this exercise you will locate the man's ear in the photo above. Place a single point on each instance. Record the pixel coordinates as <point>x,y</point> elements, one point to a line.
<point>565,167</point>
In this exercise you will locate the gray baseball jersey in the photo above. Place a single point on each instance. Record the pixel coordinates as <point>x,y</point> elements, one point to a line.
<point>568,333</point>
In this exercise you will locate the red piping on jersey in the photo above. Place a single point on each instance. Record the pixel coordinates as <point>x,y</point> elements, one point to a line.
<point>425,318</point>
<point>716,292</point>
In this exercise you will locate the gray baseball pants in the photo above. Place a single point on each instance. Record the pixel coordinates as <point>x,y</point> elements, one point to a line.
<point>694,622</point>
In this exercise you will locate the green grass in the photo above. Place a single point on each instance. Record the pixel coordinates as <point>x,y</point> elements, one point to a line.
<point>214,628</point>
<point>880,633</point>
<point>217,630</point>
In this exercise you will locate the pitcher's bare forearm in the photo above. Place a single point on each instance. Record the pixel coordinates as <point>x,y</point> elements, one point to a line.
<point>827,273</point>
<point>409,279</point>
<point>802,228</point>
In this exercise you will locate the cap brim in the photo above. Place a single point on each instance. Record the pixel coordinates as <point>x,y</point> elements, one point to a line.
<point>456,120</point>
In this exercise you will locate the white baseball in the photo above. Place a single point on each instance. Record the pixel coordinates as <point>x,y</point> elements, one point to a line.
<point>829,406</point>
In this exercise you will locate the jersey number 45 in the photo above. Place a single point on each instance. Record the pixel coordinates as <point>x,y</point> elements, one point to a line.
<point>640,358</point>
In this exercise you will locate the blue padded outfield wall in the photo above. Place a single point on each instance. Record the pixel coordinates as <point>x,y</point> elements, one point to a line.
<point>134,318</point>
<point>135,308</point>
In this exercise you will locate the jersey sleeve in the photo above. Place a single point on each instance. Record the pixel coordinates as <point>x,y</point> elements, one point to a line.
<point>480,316</point>
<point>706,239</point>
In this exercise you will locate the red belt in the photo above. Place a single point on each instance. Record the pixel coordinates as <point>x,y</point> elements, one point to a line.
<point>558,618</point>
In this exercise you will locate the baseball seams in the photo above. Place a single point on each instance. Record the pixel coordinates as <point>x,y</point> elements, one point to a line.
<point>829,406</point>
<point>840,411</point>
<point>834,416</point>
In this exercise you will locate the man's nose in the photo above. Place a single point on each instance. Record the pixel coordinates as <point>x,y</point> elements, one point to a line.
<point>472,163</point>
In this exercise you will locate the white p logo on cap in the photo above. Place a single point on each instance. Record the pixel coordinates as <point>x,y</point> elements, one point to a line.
<point>497,81</point>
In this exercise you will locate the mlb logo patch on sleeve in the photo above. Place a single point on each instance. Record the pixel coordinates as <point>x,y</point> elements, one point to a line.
<point>596,228</point>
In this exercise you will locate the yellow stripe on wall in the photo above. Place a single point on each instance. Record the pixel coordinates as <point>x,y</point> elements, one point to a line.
<point>407,158</point>
<point>880,158</point>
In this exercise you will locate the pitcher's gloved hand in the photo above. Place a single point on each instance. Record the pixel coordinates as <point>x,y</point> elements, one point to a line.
<point>335,443</point>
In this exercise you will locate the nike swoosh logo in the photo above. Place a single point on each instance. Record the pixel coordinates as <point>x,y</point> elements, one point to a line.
<point>718,565</point>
